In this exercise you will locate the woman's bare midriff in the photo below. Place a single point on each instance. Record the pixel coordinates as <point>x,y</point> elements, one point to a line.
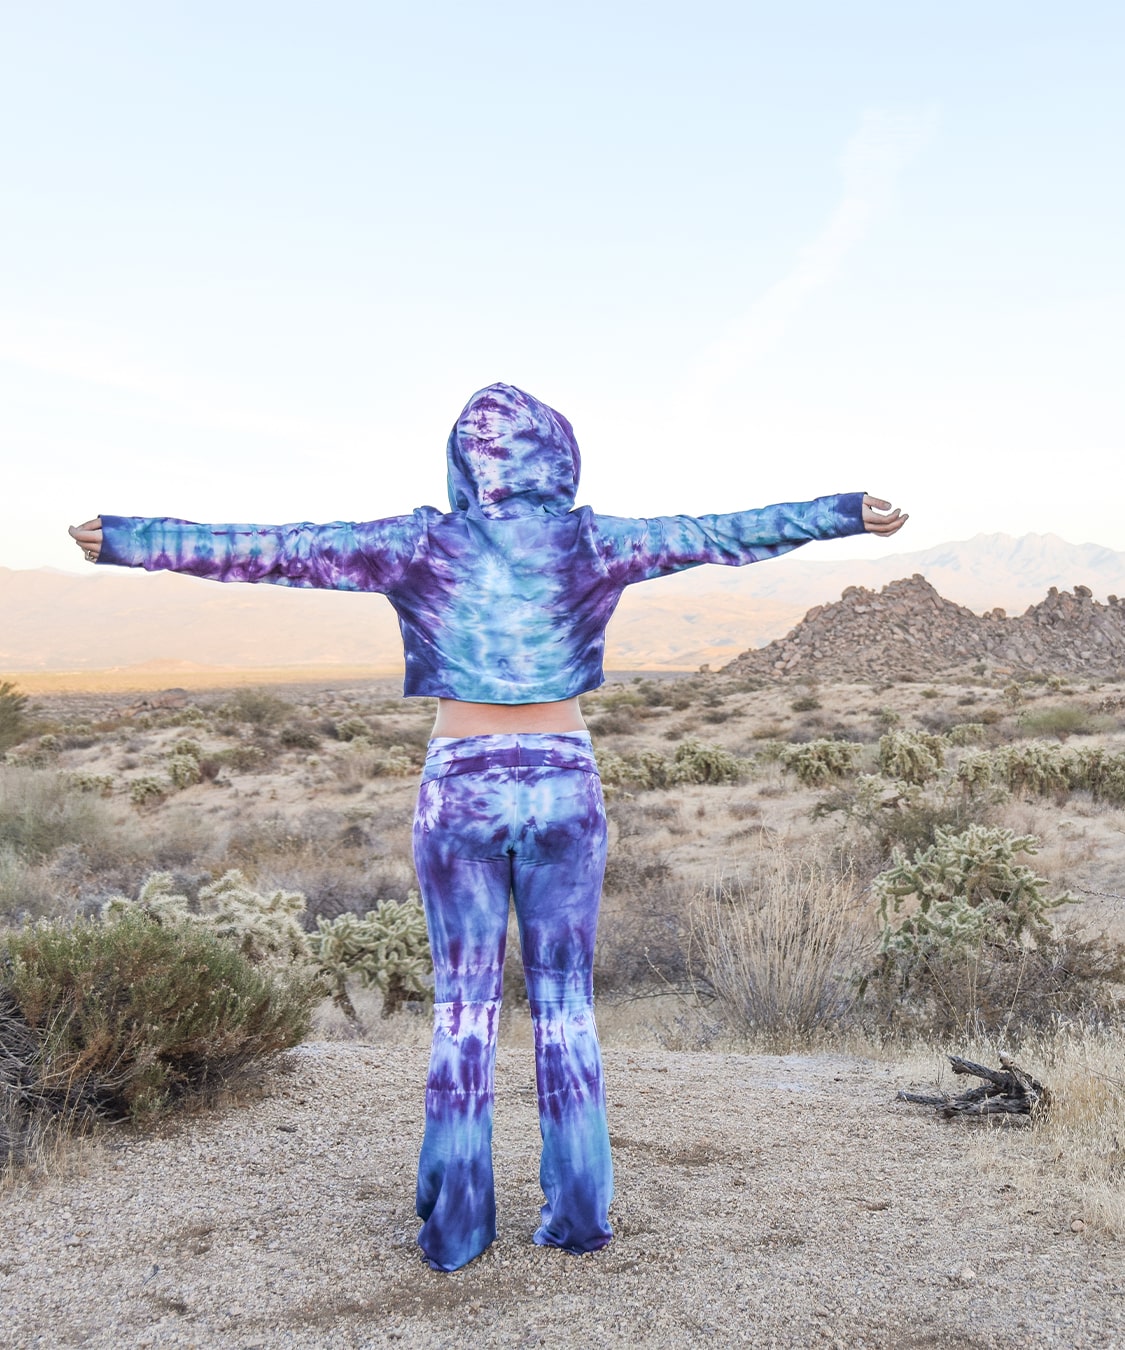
<point>455,718</point>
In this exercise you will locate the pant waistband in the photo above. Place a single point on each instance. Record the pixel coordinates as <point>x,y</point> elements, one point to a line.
<point>473,754</point>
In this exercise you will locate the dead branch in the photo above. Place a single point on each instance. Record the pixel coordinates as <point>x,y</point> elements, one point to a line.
<point>1008,1091</point>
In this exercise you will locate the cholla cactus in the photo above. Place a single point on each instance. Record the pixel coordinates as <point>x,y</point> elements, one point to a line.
<point>387,948</point>
<point>396,763</point>
<point>353,729</point>
<point>975,771</point>
<point>820,762</point>
<point>968,890</point>
<point>1099,772</point>
<point>695,762</point>
<point>265,928</point>
<point>912,756</point>
<point>148,791</point>
<point>966,733</point>
<point>1038,767</point>
<point>82,780</point>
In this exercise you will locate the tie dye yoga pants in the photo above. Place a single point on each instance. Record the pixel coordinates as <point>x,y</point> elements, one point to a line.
<point>512,818</point>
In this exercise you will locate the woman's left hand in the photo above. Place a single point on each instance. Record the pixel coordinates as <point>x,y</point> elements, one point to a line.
<point>878,518</point>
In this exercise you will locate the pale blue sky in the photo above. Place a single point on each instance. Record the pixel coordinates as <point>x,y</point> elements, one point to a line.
<point>257,255</point>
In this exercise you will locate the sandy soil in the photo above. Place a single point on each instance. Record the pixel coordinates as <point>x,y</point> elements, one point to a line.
<point>760,1201</point>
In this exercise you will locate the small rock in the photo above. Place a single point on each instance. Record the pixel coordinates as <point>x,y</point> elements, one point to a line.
<point>1077,1226</point>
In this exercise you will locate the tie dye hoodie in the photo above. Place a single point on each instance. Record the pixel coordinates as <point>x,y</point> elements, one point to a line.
<point>505,597</point>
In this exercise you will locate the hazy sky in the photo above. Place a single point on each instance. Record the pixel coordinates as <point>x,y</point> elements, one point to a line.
<point>255,256</point>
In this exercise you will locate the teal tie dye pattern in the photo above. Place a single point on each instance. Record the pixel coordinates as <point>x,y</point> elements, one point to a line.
<point>505,598</point>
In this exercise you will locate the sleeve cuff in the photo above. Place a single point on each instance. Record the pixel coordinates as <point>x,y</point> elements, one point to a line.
<point>119,541</point>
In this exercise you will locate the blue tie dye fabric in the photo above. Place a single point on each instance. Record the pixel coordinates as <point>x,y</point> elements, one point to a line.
<point>512,819</point>
<point>504,598</point>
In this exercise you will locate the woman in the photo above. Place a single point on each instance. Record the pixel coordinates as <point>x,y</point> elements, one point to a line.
<point>503,603</point>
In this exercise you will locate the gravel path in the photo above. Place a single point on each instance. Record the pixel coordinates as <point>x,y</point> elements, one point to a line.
<point>761,1201</point>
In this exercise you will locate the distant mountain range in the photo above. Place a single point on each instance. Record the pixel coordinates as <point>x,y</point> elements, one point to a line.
<point>114,618</point>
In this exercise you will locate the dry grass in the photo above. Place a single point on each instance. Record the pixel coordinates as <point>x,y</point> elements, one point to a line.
<point>778,945</point>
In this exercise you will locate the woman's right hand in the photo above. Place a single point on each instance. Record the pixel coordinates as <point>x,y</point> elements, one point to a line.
<point>88,537</point>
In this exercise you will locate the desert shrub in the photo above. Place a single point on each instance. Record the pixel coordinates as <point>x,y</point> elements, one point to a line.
<point>265,929</point>
<point>398,762</point>
<point>27,890</point>
<point>1063,721</point>
<point>191,716</point>
<point>776,947</point>
<point>806,703</point>
<point>884,816</point>
<point>256,706</point>
<point>352,729</point>
<point>386,948</point>
<point>298,736</point>
<point>148,791</point>
<point>124,1020</point>
<point>247,758</point>
<point>82,780</point>
<point>14,725</point>
<point>820,762</point>
<point>41,813</point>
<point>911,756</point>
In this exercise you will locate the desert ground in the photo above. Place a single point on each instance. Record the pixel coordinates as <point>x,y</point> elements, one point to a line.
<point>770,1188</point>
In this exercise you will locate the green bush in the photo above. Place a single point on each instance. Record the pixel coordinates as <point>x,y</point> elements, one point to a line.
<point>821,762</point>
<point>184,770</point>
<point>126,1019</point>
<point>386,948</point>
<point>256,706</point>
<point>1063,721</point>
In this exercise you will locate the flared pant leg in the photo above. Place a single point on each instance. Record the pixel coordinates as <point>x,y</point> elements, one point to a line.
<point>535,833</point>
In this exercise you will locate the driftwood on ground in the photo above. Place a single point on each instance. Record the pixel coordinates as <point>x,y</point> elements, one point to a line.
<point>1007,1091</point>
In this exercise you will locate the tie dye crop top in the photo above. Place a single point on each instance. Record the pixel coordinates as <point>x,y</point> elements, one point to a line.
<point>505,598</point>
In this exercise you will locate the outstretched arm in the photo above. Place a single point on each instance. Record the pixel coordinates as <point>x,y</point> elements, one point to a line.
<point>637,550</point>
<point>340,556</point>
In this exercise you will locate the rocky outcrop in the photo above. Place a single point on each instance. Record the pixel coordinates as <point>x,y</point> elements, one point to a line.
<point>908,629</point>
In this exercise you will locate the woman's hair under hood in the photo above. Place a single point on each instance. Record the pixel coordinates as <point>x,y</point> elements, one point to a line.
<point>509,454</point>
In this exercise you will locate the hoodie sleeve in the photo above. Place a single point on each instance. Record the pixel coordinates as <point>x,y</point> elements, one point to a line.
<point>638,550</point>
<point>342,556</point>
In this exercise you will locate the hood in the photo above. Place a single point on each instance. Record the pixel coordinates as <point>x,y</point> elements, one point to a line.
<point>510,455</point>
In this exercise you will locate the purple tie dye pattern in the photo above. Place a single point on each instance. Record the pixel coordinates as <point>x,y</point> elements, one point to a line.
<point>504,819</point>
<point>505,598</point>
